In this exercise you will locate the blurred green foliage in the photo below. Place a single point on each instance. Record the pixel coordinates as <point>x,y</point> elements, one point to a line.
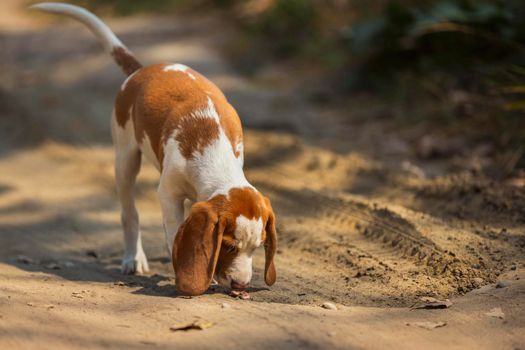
<point>514,91</point>
<point>287,26</point>
<point>461,37</point>
<point>127,7</point>
<point>367,43</point>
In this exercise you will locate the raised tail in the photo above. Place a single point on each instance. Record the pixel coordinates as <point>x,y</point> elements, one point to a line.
<point>120,53</point>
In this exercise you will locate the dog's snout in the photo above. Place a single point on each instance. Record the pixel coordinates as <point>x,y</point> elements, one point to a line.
<point>239,286</point>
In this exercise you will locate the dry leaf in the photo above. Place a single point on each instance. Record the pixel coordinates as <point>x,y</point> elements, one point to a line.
<point>496,312</point>
<point>240,294</point>
<point>199,325</point>
<point>427,324</point>
<point>432,303</point>
<point>77,295</point>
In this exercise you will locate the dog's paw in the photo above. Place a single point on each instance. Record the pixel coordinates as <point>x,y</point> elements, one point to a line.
<point>137,264</point>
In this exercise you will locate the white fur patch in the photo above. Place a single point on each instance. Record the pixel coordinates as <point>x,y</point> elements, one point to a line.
<point>173,161</point>
<point>217,170</point>
<point>123,136</point>
<point>248,233</point>
<point>123,86</point>
<point>148,152</point>
<point>207,112</point>
<point>241,268</point>
<point>177,67</point>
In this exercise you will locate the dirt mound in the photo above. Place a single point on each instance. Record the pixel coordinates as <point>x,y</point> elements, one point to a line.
<point>357,246</point>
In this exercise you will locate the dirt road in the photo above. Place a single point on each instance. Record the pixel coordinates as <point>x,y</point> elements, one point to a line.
<point>360,225</point>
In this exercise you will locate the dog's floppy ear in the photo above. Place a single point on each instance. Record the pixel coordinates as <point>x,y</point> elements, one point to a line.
<point>270,247</point>
<point>196,249</point>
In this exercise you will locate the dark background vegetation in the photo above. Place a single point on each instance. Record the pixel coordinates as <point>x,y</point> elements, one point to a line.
<point>459,64</point>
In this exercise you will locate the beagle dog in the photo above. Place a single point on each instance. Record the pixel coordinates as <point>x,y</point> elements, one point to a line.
<point>183,124</point>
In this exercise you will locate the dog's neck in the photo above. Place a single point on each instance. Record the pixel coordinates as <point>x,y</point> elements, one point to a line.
<point>221,184</point>
<point>217,170</point>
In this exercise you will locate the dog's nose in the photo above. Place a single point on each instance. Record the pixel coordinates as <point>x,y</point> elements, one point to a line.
<point>239,286</point>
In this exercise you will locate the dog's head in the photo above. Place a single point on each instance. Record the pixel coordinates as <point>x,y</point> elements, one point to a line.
<point>218,239</point>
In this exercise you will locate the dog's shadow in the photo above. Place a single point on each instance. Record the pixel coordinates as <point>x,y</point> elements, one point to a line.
<point>105,271</point>
<point>164,286</point>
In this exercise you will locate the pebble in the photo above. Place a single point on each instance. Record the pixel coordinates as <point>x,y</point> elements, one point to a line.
<point>225,305</point>
<point>53,266</point>
<point>328,305</point>
<point>503,284</point>
<point>478,281</point>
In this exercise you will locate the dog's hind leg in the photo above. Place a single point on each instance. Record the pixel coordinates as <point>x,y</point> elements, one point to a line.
<point>127,167</point>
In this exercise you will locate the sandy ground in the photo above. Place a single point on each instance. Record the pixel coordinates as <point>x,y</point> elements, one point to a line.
<point>362,224</point>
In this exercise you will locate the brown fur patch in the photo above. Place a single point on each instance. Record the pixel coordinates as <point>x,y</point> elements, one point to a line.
<point>240,201</point>
<point>195,134</point>
<point>164,101</point>
<point>126,61</point>
<point>226,255</point>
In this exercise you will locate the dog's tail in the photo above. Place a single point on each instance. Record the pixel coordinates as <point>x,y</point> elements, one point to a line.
<point>124,58</point>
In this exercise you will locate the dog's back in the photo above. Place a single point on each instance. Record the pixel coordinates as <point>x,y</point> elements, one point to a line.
<point>164,101</point>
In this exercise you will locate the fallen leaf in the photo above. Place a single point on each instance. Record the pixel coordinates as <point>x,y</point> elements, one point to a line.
<point>412,169</point>
<point>432,303</point>
<point>24,259</point>
<point>240,294</point>
<point>145,342</point>
<point>328,305</point>
<point>427,324</point>
<point>92,254</point>
<point>52,266</point>
<point>496,312</point>
<point>199,325</point>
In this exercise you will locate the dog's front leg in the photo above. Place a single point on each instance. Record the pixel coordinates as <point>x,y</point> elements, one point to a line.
<point>172,212</point>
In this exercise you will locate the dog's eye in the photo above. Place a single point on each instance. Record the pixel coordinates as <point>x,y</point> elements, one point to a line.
<point>231,247</point>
